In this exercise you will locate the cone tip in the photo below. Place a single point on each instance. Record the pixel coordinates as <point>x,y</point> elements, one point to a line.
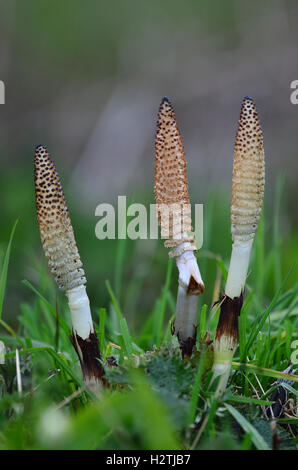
<point>40,147</point>
<point>165,101</point>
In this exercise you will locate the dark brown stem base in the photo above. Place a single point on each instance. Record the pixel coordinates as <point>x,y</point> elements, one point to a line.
<point>228,320</point>
<point>194,288</point>
<point>90,358</point>
<point>187,344</point>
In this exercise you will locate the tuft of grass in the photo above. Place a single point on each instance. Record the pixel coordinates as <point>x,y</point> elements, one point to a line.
<point>155,401</point>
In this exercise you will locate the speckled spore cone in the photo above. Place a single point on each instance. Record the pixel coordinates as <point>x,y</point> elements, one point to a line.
<point>247,194</point>
<point>247,197</point>
<point>171,185</point>
<point>64,261</point>
<point>55,227</point>
<point>174,215</point>
<point>248,174</point>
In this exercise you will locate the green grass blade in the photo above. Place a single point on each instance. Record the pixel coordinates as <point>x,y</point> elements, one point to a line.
<point>287,421</point>
<point>55,356</point>
<point>48,305</point>
<point>122,321</point>
<point>276,231</point>
<point>126,337</point>
<point>203,321</point>
<point>11,332</point>
<point>102,325</point>
<point>248,427</point>
<point>160,312</point>
<point>260,322</point>
<point>114,301</point>
<point>167,335</point>
<point>243,399</point>
<point>195,391</point>
<point>3,277</point>
<point>259,258</point>
<point>211,415</point>
<point>263,371</point>
<point>120,255</point>
<point>291,389</point>
<point>242,335</point>
<point>223,269</point>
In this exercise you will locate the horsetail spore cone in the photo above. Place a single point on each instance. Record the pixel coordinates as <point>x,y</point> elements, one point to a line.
<point>246,207</point>
<point>64,261</point>
<point>174,214</point>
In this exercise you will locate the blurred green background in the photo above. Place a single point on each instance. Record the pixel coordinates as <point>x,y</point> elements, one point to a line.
<point>86,79</point>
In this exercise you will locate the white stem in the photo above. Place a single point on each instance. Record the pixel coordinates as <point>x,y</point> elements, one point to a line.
<point>187,297</point>
<point>80,311</point>
<point>186,313</point>
<point>225,346</point>
<point>188,266</point>
<point>238,268</point>
<point>223,371</point>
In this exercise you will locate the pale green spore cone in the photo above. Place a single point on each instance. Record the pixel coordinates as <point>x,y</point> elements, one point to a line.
<point>246,207</point>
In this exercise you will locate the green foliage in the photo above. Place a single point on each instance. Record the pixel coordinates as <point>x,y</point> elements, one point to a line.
<point>155,400</point>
